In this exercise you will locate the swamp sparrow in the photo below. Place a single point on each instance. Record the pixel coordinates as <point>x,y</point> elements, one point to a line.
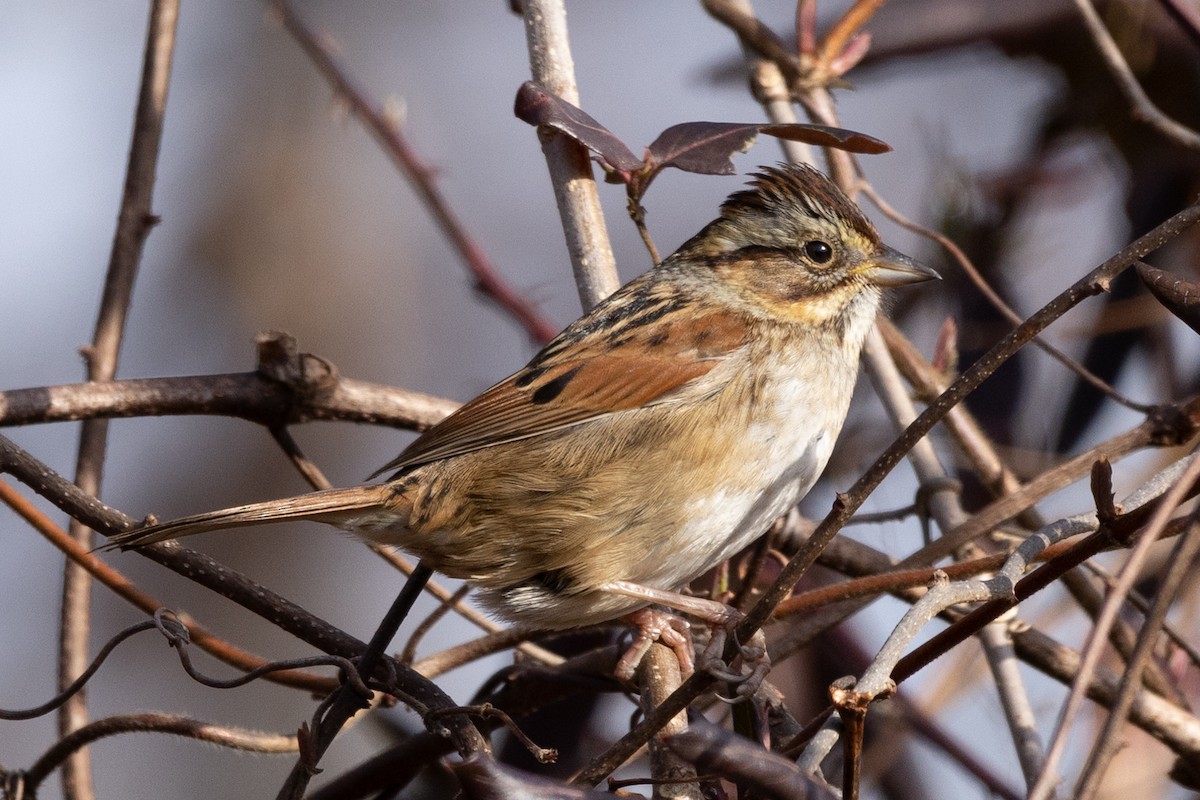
<point>652,439</point>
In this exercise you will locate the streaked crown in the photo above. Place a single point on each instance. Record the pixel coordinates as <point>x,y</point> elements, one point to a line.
<point>784,204</point>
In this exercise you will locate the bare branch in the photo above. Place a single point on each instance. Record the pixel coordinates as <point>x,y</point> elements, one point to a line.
<point>570,170</point>
<point>150,722</point>
<point>247,395</point>
<point>133,226</point>
<point>993,297</point>
<point>1142,108</point>
<point>124,588</point>
<point>1182,561</point>
<point>420,177</point>
<point>1099,633</point>
<point>414,689</point>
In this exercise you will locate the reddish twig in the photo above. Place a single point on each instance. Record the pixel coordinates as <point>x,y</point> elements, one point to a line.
<point>420,177</point>
<point>125,589</point>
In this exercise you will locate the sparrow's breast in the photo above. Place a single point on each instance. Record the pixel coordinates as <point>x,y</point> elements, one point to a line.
<point>790,420</point>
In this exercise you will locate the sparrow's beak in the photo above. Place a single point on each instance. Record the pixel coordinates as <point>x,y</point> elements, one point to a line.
<point>893,268</point>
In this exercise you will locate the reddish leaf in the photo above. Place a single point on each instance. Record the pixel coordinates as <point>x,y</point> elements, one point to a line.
<point>825,136</point>
<point>707,147</point>
<point>1180,297</point>
<point>703,147</point>
<point>537,106</point>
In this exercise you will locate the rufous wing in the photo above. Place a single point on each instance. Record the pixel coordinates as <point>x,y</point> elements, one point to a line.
<point>592,373</point>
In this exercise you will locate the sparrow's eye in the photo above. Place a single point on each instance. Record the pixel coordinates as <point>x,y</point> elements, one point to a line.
<point>819,252</point>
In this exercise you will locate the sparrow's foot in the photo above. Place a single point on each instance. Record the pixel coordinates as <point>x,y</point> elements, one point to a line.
<point>753,655</point>
<point>656,625</point>
<point>723,620</point>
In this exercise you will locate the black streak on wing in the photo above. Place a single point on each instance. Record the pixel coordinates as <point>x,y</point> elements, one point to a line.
<point>552,388</point>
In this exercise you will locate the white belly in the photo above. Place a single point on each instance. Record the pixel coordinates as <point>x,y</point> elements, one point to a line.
<point>778,466</point>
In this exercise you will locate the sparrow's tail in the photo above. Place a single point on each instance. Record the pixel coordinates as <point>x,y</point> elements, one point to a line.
<point>333,506</point>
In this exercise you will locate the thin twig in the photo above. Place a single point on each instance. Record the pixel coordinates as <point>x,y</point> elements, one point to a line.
<point>77,685</point>
<point>993,297</point>
<point>1014,699</point>
<point>415,690</point>
<point>1141,108</point>
<point>1177,728</point>
<point>134,222</point>
<point>1099,634</point>
<point>1003,508</point>
<point>1181,562</point>
<point>544,755</point>
<point>574,187</point>
<point>414,640</point>
<point>173,628</point>
<point>755,36</point>
<point>1140,603</point>
<point>307,468</point>
<point>150,722</point>
<point>452,657</point>
<point>464,610</point>
<point>846,26</point>
<point>420,177</point>
<point>124,588</point>
<point>346,702</point>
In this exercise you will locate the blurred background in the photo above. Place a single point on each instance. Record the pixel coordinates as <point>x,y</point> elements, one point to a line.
<point>280,212</point>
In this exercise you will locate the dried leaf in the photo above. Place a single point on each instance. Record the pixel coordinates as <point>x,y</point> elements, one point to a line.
<point>707,147</point>
<point>826,136</point>
<point>703,147</point>
<point>537,106</point>
<point>1180,297</point>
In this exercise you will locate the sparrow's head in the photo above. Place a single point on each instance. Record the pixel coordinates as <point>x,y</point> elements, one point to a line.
<point>797,246</point>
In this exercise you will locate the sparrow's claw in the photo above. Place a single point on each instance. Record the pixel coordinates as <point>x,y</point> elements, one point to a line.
<point>656,625</point>
<point>755,661</point>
